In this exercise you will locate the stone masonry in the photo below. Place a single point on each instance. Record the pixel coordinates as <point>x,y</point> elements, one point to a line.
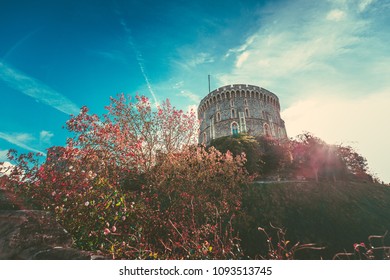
<point>240,108</point>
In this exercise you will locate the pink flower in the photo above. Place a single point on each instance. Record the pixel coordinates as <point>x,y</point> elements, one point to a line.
<point>106,231</point>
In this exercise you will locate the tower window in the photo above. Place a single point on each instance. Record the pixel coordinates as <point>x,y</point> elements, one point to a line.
<point>218,117</point>
<point>281,135</point>
<point>247,113</point>
<point>234,129</point>
<point>267,131</point>
<point>233,113</point>
<point>231,103</point>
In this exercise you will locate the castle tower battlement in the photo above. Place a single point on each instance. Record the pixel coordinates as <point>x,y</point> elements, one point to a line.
<point>240,108</point>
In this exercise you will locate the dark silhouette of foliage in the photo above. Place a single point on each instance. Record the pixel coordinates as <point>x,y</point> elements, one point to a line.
<point>275,156</point>
<point>239,144</point>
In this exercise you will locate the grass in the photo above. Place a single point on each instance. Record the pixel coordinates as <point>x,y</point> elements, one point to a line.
<point>332,215</point>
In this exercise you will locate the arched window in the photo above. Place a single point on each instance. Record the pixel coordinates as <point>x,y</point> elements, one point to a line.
<point>234,129</point>
<point>267,130</point>
<point>247,112</point>
<point>233,113</point>
<point>204,140</point>
<point>231,102</point>
<point>218,116</point>
<point>245,102</point>
<point>281,135</point>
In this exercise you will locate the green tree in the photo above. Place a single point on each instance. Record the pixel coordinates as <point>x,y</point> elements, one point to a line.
<point>275,157</point>
<point>237,145</point>
<point>355,165</point>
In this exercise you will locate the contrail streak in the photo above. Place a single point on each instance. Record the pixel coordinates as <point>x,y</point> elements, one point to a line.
<point>36,89</point>
<point>19,43</point>
<point>17,139</point>
<point>139,60</point>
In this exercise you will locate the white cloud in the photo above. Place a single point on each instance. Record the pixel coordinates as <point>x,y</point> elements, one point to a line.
<point>36,89</point>
<point>242,58</point>
<point>21,140</point>
<point>336,15</point>
<point>248,42</point>
<point>200,58</point>
<point>360,122</point>
<point>5,168</point>
<point>364,4</point>
<point>45,137</point>
<point>23,137</point>
<point>3,155</point>
<point>191,96</point>
<point>296,46</point>
<point>178,85</point>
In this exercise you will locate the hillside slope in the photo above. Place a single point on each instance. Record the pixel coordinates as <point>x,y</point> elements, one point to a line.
<point>334,215</point>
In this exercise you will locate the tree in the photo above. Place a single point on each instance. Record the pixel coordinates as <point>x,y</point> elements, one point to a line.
<point>132,134</point>
<point>133,184</point>
<point>275,157</point>
<point>313,158</point>
<point>241,144</point>
<point>355,164</point>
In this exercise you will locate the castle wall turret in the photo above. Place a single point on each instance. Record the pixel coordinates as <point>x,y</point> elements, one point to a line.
<point>234,109</point>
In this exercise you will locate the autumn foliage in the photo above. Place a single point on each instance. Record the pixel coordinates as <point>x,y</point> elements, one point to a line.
<point>133,184</point>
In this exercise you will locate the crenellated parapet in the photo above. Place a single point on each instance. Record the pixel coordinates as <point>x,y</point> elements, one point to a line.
<point>240,108</point>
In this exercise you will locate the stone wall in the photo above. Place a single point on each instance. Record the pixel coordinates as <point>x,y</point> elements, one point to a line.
<point>255,110</point>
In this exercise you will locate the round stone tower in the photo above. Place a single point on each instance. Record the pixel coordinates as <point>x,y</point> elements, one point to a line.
<point>234,109</point>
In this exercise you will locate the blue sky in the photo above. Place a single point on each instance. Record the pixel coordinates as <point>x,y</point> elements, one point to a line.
<point>328,61</point>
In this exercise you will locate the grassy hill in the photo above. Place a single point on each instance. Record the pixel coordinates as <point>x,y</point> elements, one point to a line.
<point>333,215</point>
